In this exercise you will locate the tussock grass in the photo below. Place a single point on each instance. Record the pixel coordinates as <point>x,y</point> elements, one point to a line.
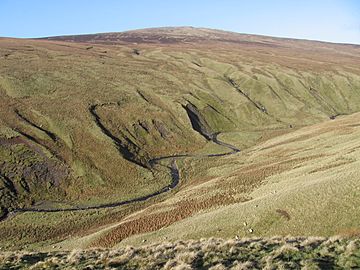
<point>212,254</point>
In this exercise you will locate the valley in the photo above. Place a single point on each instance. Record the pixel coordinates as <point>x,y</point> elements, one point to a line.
<point>118,139</point>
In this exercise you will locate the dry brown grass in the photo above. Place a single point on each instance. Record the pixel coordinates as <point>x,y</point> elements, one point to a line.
<point>251,176</point>
<point>155,221</point>
<point>215,254</point>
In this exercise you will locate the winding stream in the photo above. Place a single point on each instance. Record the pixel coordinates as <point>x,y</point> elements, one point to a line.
<point>174,172</point>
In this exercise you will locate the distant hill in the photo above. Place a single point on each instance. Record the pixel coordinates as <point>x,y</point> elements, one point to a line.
<point>172,35</point>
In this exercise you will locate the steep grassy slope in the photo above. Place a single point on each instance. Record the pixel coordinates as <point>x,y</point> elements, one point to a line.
<point>82,117</point>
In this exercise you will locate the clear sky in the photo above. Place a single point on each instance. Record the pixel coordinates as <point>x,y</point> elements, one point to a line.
<point>328,20</point>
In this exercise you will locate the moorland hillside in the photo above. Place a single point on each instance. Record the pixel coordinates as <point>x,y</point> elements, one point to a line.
<point>86,120</point>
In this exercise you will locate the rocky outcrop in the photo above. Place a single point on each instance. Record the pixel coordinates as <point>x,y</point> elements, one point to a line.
<point>198,122</point>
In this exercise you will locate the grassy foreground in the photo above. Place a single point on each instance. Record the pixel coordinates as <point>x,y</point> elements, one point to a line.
<point>255,253</point>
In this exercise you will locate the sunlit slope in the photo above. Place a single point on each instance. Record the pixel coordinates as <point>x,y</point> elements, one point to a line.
<point>63,103</point>
<point>302,183</point>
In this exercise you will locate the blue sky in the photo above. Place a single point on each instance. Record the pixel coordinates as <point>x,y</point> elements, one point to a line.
<point>328,20</point>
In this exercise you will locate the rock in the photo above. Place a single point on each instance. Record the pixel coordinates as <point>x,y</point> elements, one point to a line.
<point>245,223</point>
<point>256,205</point>
<point>250,230</point>
<point>237,237</point>
<point>143,241</point>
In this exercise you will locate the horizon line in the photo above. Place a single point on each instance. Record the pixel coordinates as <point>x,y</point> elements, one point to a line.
<point>186,26</point>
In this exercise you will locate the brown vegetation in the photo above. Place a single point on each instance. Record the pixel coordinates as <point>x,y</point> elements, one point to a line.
<point>255,253</point>
<point>283,213</point>
<point>155,221</point>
